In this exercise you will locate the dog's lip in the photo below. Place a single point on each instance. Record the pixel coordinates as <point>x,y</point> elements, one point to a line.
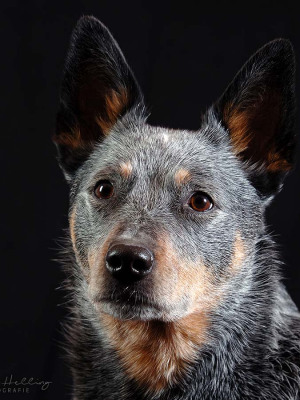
<point>130,300</point>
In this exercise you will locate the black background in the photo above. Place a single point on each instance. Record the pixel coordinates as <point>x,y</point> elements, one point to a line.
<point>183,57</point>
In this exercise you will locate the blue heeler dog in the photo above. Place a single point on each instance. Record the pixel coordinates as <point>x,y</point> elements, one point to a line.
<point>174,280</point>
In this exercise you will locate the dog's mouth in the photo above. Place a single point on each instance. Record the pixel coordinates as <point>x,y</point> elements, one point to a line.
<point>130,304</point>
<point>131,298</point>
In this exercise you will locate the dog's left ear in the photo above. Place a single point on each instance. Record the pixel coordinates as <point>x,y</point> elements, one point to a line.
<point>98,88</point>
<point>258,110</point>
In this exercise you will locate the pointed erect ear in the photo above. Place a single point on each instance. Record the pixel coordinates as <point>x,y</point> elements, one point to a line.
<point>97,89</point>
<point>258,110</point>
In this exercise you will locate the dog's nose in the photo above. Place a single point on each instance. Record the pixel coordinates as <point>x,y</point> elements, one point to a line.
<point>129,263</point>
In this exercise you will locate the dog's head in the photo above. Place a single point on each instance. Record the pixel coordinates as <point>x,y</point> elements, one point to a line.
<point>163,221</point>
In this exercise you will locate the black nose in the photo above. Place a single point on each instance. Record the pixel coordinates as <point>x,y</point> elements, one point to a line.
<point>129,263</point>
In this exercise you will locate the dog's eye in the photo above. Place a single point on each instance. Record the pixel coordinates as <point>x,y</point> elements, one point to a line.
<point>201,202</point>
<point>104,190</point>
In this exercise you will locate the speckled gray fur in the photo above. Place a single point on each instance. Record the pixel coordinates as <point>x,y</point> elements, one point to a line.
<point>253,346</point>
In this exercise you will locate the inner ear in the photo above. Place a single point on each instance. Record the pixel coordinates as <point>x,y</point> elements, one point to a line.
<point>100,108</point>
<point>258,109</point>
<point>255,130</point>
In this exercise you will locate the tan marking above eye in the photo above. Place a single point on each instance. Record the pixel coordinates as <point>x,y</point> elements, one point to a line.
<point>126,169</point>
<point>182,176</point>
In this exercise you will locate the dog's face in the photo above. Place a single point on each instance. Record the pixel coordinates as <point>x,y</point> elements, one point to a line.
<point>164,222</point>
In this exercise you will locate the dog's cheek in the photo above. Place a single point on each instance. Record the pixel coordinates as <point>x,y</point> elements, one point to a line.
<point>78,248</point>
<point>239,252</point>
<point>187,287</point>
<point>179,283</point>
<point>98,275</point>
<point>89,256</point>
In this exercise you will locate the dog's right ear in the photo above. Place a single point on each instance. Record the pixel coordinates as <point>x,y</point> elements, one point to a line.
<point>98,88</point>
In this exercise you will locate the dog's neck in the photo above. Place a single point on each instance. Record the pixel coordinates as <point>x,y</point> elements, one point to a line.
<point>153,353</point>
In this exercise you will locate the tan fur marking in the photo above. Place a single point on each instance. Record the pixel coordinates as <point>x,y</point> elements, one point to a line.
<point>115,104</point>
<point>154,353</point>
<point>72,221</point>
<point>238,256</point>
<point>96,262</point>
<point>182,176</point>
<point>190,279</point>
<point>253,131</point>
<point>71,139</point>
<point>277,163</point>
<point>126,169</point>
<point>238,125</point>
<point>241,138</point>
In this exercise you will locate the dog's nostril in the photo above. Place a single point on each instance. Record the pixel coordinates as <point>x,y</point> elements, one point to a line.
<point>115,262</point>
<point>140,266</point>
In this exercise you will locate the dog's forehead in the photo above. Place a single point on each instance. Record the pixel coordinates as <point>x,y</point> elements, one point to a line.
<point>149,149</point>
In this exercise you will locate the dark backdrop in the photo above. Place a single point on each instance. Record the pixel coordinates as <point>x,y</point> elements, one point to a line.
<point>183,58</point>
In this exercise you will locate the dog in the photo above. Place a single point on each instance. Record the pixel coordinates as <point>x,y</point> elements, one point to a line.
<point>173,278</point>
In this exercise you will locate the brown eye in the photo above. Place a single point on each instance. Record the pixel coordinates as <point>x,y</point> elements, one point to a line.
<point>104,190</point>
<point>201,202</point>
